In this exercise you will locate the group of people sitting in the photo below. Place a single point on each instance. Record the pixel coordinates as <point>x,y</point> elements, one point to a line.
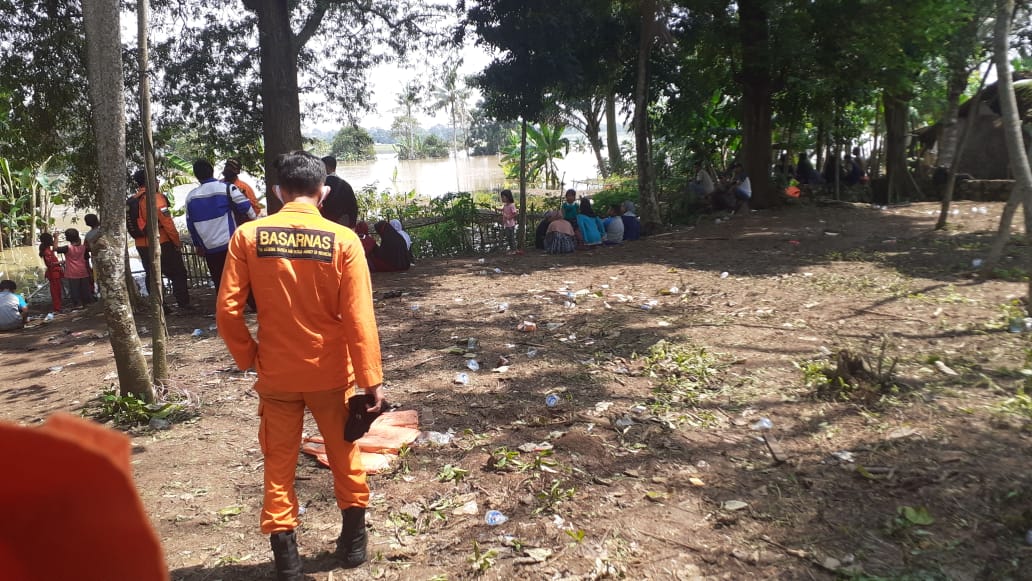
<point>577,225</point>
<point>393,253</point>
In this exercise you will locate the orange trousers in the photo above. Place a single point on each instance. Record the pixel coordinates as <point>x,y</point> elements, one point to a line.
<point>282,420</point>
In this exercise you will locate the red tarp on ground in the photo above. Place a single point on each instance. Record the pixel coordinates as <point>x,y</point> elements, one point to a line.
<point>380,445</point>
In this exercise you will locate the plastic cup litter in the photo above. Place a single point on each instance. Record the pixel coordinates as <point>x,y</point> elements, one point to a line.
<point>462,378</point>
<point>763,424</point>
<point>473,365</point>
<point>197,333</point>
<point>495,518</point>
<point>552,400</point>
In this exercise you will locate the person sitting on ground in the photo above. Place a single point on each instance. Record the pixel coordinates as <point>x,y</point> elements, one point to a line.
<point>542,230</point>
<point>741,188</point>
<point>570,207</point>
<point>14,311</point>
<point>588,225</point>
<point>560,238</point>
<point>632,227</point>
<point>368,244</point>
<point>396,224</point>
<point>614,226</point>
<point>392,255</point>
<point>805,174</point>
<point>852,172</point>
<point>702,186</point>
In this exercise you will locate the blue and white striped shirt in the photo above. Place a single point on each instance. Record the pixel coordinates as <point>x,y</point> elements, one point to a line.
<point>209,215</point>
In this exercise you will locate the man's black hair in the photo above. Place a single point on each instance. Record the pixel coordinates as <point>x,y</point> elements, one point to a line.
<point>9,285</point>
<point>300,172</point>
<point>91,220</point>
<point>203,170</point>
<point>140,177</point>
<point>331,163</point>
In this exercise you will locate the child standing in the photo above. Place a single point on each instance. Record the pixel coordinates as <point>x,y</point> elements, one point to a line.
<point>509,218</point>
<point>54,273</point>
<point>571,207</point>
<point>77,268</point>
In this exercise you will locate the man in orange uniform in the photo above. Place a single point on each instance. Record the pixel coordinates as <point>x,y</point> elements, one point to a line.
<point>168,237</point>
<point>317,337</point>
<point>231,175</point>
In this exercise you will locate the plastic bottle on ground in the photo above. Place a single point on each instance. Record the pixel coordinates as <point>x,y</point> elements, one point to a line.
<point>495,518</point>
<point>552,400</point>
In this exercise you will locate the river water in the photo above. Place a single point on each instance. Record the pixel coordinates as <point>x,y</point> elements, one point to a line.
<point>428,177</point>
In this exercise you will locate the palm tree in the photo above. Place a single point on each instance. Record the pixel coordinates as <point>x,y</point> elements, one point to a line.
<point>452,97</point>
<point>545,144</point>
<point>411,96</point>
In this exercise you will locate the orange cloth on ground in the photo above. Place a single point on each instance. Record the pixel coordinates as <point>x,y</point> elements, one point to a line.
<point>380,445</point>
<point>166,227</point>
<point>249,192</point>
<point>793,192</point>
<point>282,420</point>
<point>71,510</point>
<point>316,327</point>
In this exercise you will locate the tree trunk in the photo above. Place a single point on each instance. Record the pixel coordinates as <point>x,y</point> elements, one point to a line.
<point>281,107</point>
<point>958,145</point>
<point>896,109</point>
<point>821,142</point>
<point>757,90</point>
<point>647,201</point>
<point>522,230</point>
<point>874,162</point>
<point>1016,155</point>
<point>107,100</point>
<point>612,140</point>
<point>592,130</point>
<point>159,357</point>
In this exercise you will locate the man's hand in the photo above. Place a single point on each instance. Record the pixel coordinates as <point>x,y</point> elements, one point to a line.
<point>375,398</point>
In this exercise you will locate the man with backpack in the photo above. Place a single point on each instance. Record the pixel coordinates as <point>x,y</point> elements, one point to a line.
<point>168,237</point>
<point>213,211</point>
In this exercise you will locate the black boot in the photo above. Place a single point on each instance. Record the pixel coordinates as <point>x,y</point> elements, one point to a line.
<point>288,561</point>
<point>351,545</point>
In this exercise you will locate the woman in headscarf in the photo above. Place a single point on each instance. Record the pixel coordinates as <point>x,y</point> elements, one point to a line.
<point>368,244</point>
<point>589,225</point>
<point>393,253</point>
<point>396,224</point>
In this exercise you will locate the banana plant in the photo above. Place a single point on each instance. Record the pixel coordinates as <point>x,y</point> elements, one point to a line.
<point>545,145</point>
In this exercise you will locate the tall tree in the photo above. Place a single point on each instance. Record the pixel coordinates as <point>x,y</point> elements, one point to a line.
<point>329,45</point>
<point>521,80</point>
<point>757,86</point>
<point>648,206</point>
<point>107,100</point>
<point>1017,155</point>
<point>159,357</point>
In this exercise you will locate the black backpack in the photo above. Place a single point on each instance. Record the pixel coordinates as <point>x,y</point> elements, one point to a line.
<point>132,218</point>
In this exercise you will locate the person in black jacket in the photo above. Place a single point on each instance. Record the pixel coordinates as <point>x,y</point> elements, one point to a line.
<point>340,205</point>
<point>542,230</point>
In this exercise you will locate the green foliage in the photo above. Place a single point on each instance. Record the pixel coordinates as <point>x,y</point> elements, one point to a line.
<point>481,561</point>
<point>128,410</point>
<point>683,370</point>
<point>617,192</point>
<point>545,144</point>
<point>451,473</point>
<point>552,497</point>
<point>486,134</point>
<point>352,143</point>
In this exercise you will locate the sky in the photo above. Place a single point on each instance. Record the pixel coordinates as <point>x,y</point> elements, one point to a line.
<point>387,82</point>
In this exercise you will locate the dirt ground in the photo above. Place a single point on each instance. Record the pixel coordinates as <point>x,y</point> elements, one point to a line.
<point>655,470</point>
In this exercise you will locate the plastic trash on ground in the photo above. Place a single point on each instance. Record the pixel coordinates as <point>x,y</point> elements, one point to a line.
<point>495,518</point>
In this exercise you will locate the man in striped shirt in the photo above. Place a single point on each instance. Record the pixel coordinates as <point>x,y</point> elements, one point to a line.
<point>211,216</point>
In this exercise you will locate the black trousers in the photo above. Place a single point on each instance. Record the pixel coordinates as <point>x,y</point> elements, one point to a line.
<point>216,264</point>
<point>171,266</point>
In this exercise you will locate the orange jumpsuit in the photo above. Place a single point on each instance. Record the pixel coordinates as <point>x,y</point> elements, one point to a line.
<point>317,337</point>
<point>249,192</point>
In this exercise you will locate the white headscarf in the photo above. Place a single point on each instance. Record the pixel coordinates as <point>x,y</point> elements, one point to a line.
<point>396,224</point>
